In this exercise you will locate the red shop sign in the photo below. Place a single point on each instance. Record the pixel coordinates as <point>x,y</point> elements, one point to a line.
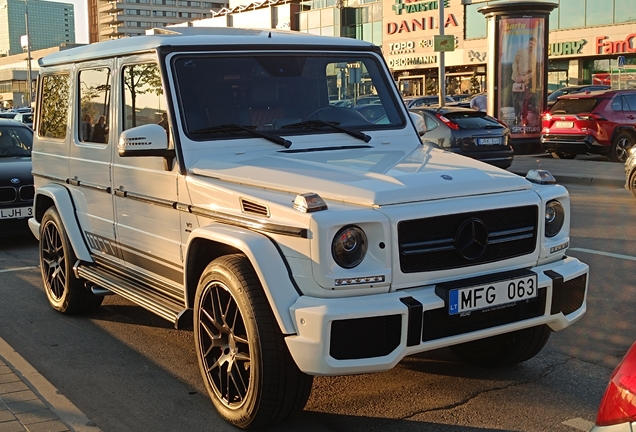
<point>603,46</point>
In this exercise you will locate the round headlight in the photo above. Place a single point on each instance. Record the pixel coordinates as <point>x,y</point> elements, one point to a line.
<point>349,247</point>
<point>554,218</point>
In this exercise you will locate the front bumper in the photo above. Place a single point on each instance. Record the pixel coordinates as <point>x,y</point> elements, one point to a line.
<point>373,333</point>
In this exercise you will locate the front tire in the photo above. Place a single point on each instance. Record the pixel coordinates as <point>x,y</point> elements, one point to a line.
<point>506,349</point>
<point>65,292</point>
<point>621,144</point>
<point>247,369</point>
<point>632,183</point>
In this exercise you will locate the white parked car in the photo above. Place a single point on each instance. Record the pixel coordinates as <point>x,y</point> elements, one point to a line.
<point>224,193</point>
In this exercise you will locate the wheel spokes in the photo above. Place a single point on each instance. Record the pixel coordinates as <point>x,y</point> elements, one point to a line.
<point>53,261</point>
<point>225,354</point>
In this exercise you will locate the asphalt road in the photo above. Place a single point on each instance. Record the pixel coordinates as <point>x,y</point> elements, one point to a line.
<point>128,370</point>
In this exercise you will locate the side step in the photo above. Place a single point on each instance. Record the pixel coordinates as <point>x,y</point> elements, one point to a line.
<point>152,300</point>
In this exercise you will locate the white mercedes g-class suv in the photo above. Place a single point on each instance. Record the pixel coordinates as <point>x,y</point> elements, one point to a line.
<point>229,181</point>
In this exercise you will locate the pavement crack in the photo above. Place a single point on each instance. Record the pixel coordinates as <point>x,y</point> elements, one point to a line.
<point>542,374</point>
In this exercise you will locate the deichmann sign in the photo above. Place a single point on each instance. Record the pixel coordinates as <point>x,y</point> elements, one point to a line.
<point>603,46</point>
<point>412,61</point>
<point>411,6</point>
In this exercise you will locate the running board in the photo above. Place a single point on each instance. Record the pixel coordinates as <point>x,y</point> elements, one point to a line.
<point>154,301</point>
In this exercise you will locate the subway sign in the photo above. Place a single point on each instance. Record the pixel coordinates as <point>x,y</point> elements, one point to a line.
<point>566,48</point>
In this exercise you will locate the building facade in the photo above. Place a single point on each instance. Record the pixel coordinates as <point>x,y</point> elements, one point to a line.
<point>13,75</point>
<point>586,39</point>
<point>114,19</point>
<point>50,24</point>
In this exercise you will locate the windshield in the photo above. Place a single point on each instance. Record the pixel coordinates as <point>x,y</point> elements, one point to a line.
<point>283,94</point>
<point>15,141</point>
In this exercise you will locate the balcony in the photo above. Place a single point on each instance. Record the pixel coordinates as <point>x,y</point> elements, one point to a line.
<point>111,7</point>
<point>111,19</point>
<point>110,32</point>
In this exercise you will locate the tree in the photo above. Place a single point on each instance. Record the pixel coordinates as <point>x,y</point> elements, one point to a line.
<point>138,80</point>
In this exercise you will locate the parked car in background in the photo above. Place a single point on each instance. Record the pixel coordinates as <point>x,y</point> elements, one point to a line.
<point>552,97</point>
<point>617,411</point>
<point>7,114</point>
<point>26,118</point>
<point>600,122</point>
<point>371,112</point>
<point>16,181</point>
<point>468,132</point>
<point>421,101</point>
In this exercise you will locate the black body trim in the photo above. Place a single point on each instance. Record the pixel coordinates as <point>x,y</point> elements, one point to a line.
<point>557,291</point>
<point>414,324</point>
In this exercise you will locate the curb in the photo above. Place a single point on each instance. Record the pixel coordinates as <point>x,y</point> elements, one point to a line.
<point>585,181</point>
<point>27,387</point>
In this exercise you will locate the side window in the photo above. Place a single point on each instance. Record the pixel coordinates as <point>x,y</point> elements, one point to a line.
<point>94,100</point>
<point>143,99</point>
<point>617,103</point>
<point>629,102</point>
<point>430,123</point>
<point>54,110</point>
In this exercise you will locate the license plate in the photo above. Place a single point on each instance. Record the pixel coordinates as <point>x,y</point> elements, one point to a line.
<point>16,213</point>
<point>488,141</point>
<point>492,294</point>
<point>564,125</point>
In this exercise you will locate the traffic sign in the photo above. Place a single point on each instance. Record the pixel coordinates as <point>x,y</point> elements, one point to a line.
<point>621,61</point>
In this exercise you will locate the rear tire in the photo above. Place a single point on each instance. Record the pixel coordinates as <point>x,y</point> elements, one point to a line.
<point>561,155</point>
<point>621,144</point>
<point>506,349</point>
<point>65,292</point>
<point>246,367</point>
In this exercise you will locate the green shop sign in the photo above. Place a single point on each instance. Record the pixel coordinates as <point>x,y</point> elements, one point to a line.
<point>411,6</point>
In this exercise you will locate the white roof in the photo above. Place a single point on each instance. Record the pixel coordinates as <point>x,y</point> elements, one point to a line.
<point>193,36</point>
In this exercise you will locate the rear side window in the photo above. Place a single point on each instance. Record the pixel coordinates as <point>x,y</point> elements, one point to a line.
<point>473,120</point>
<point>574,106</point>
<point>94,99</point>
<point>55,104</point>
<point>629,102</point>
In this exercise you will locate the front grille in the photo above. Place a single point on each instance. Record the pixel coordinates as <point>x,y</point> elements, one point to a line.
<point>8,194</point>
<point>431,244</point>
<point>573,294</point>
<point>439,324</point>
<point>365,337</point>
<point>27,193</point>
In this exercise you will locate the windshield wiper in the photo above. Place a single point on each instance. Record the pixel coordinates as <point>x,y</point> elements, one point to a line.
<point>314,124</point>
<point>251,129</point>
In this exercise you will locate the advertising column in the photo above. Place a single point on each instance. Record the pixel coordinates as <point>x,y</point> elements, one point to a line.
<point>517,67</point>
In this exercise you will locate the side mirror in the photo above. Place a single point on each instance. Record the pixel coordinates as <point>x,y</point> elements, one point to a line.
<point>146,140</point>
<point>418,121</point>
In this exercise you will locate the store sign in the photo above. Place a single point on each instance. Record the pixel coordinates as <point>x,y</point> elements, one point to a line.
<point>412,61</point>
<point>402,47</point>
<point>603,46</point>
<point>413,6</point>
<point>566,48</point>
<point>477,56</point>
<point>424,23</point>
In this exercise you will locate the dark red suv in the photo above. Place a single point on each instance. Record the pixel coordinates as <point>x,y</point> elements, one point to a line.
<point>600,122</point>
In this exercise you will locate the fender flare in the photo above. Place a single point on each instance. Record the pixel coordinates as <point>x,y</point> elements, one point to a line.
<point>268,263</point>
<point>64,205</point>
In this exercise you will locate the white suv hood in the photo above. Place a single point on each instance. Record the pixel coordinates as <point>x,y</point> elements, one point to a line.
<point>367,176</point>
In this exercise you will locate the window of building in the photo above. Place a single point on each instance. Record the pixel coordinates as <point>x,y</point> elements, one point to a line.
<point>94,100</point>
<point>54,106</point>
<point>475,22</point>
<point>572,13</point>
<point>624,11</point>
<point>142,95</point>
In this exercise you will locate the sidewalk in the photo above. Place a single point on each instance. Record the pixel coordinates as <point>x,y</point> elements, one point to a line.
<point>28,402</point>
<point>585,170</point>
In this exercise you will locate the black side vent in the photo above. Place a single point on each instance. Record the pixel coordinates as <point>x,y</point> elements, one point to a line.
<point>255,208</point>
